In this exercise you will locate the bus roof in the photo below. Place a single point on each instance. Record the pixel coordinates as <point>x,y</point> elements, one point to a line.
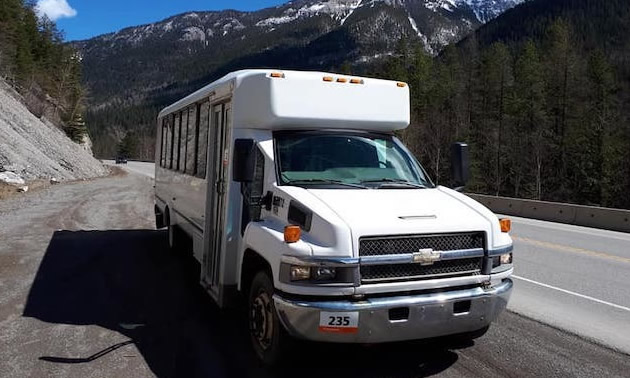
<point>280,99</point>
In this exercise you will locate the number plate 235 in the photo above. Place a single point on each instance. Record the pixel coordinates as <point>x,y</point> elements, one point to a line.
<point>339,322</point>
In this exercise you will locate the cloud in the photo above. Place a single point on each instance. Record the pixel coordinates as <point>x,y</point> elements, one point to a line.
<point>55,9</point>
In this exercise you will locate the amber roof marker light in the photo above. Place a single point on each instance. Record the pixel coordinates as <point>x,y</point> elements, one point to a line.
<point>277,75</point>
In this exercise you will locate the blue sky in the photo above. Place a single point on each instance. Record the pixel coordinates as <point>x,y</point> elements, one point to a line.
<point>81,19</point>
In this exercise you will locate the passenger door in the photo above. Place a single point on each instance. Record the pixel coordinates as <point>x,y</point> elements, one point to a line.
<point>218,163</point>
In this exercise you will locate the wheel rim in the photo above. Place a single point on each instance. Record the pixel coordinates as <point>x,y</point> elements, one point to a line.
<point>261,320</point>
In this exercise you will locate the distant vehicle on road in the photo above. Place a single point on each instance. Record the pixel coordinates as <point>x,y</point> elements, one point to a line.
<point>294,193</point>
<point>121,160</point>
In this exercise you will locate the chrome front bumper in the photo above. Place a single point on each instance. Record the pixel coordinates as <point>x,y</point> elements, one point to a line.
<point>429,315</point>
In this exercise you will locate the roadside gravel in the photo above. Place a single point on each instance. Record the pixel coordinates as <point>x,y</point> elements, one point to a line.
<point>29,226</point>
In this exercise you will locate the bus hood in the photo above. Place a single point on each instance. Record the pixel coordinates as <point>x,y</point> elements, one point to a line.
<point>407,211</point>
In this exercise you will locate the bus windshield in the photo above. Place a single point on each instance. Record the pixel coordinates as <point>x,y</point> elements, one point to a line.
<point>358,160</point>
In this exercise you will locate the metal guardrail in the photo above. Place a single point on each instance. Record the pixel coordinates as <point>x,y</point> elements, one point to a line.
<point>588,216</point>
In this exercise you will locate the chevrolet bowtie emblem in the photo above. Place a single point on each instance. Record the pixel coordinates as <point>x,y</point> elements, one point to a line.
<point>427,256</point>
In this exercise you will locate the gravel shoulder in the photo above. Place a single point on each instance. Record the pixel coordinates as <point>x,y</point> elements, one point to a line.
<point>88,289</point>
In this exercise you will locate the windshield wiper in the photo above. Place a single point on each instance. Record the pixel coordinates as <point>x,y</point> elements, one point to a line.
<point>393,181</point>
<point>324,181</point>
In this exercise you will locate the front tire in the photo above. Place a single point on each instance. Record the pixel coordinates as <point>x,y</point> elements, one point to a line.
<point>269,338</point>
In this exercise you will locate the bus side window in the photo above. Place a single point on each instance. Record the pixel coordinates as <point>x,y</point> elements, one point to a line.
<point>176,128</point>
<point>169,142</point>
<point>182,141</point>
<point>190,140</point>
<point>163,130</point>
<point>253,192</point>
<point>202,141</point>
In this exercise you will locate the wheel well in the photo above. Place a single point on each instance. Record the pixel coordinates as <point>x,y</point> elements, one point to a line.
<point>167,216</point>
<point>160,218</point>
<point>252,264</point>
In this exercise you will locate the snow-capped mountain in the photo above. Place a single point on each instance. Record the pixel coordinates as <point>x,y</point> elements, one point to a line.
<point>435,22</point>
<point>138,64</point>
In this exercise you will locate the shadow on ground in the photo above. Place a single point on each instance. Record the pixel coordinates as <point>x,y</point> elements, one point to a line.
<point>127,281</point>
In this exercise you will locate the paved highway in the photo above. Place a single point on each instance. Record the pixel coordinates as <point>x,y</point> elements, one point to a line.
<point>87,289</point>
<point>145,169</point>
<point>574,278</point>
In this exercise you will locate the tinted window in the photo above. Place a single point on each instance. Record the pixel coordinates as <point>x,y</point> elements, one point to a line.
<point>202,141</point>
<point>163,142</point>
<point>190,140</point>
<point>169,142</point>
<point>176,142</point>
<point>182,140</point>
<point>253,192</point>
<point>351,159</point>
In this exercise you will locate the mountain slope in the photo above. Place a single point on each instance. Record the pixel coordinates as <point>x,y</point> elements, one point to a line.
<point>541,94</point>
<point>35,149</point>
<point>142,68</point>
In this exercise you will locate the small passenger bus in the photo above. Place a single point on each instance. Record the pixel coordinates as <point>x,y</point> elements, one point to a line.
<point>295,196</point>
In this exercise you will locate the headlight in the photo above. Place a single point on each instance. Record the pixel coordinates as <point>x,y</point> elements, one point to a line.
<point>302,273</point>
<point>306,273</point>
<point>501,260</point>
<point>324,274</point>
<point>506,259</point>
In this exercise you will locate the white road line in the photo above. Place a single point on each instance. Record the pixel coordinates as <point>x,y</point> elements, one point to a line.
<point>572,293</point>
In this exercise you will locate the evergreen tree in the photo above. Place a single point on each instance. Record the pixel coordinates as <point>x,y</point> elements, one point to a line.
<point>560,89</point>
<point>127,145</point>
<point>10,18</point>
<point>497,80</point>
<point>34,56</point>
<point>75,128</point>
<point>597,148</point>
<point>530,122</point>
<point>541,99</point>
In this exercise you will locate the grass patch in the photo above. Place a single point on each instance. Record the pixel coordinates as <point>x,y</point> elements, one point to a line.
<point>116,171</point>
<point>7,190</point>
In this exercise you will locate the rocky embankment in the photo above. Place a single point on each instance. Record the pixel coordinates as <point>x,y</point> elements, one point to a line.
<point>34,149</point>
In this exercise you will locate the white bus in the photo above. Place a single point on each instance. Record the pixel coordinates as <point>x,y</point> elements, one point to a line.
<point>295,195</point>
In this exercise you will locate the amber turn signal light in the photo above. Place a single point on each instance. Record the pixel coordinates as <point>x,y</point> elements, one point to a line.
<point>506,224</point>
<point>292,234</point>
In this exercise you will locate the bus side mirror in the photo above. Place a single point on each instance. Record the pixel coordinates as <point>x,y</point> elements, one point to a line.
<point>243,160</point>
<point>460,165</point>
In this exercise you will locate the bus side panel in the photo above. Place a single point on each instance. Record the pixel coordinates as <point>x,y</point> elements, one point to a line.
<point>178,186</point>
